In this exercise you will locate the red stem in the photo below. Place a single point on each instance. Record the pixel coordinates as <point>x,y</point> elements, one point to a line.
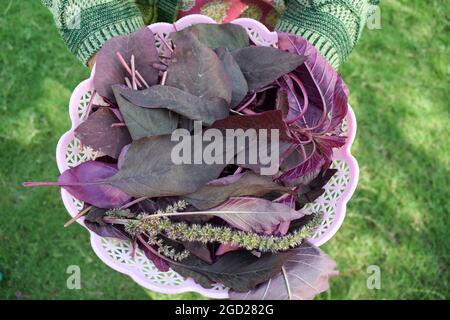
<point>118,124</point>
<point>246,104</point>
<point>60,184</point>
<point>126,66</point>
<point>305,100</point>
<point>131,203</point>
<point>248,111</point>
<point>164,42</point>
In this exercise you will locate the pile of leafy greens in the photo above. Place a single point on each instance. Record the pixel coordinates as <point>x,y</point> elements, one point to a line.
<point>214,223</point>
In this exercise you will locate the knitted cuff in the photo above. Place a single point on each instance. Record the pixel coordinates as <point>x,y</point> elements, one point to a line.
<point>168,10</point>
<point>85,25</point>
<point>332,26</point>
<point>148,10</point>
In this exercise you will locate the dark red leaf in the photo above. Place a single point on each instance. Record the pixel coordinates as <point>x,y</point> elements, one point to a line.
<point>108,69</point>
<point>99,133</point>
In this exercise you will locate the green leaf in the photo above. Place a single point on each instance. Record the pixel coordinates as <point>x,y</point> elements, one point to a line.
<point>196,69</point>
<point>227,35</point>
<point>207,110</point>
<point>246,184</point>
<point>143,122</point>
<point>239,270</point>
<point>239,86</point>
<point>263,65</point>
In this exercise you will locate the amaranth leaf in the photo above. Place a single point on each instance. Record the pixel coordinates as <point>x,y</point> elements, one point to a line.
<point>97,132</point>
<point>150,171</point>
<point>239,86</point>
<point>196,69</point>
<point>94,222</point>
<point>255,214</point>
<point>304,274</point>
<point>227,35</point>
<point>143,122</point>
<point>263,65</point>
<point>245,184</point>
<point>109,71</point>
<point>239,270</point>
<point>190,106</point>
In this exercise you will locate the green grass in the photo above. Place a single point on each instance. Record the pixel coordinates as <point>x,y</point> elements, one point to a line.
<point>398,219</point>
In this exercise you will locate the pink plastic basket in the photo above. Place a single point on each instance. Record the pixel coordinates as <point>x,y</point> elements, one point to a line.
<point>116,253</point>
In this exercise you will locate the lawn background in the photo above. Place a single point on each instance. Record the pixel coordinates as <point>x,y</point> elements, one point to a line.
<point>398,218</point>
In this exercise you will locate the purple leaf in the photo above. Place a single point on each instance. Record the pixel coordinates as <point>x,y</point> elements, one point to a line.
<point>254,214</point>
<point>122,156</point>
<point>199,250</point>
<point>283,228</point>
<point>225,248</point>
<point>94,222</point>
<point>99,133</point>
<point>305,172</point>
<point>196,69</point>
<point>143,122</point>
<point>317,109</point>
<point>159,263</point>
<point>238,82</point>
<point>108,69</point>
<point>190,106</point>
<point>150,171</point>
<point>246,184</point>
<point>226,35</point>
<point>264,120</point>
<point>304,275</point>
<point>327,93</point>
<point>310,192</point>
<point>239,270</point>
<point>86,182</point>
<point>117,113</point>
<point>263,65</point>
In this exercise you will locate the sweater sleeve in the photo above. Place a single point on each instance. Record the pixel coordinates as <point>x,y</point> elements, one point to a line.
<point>332,26</point>
<point>85,25</point>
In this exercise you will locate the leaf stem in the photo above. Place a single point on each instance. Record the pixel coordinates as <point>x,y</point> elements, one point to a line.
<point>246,104</point>
<point>164,42</point>
<point>118,124</point>
<point>126,66</point>
<point>60,184</point>
<point>248,111</point>
<point>128,83</point>
<point>133,73</point>
<point>141,78</point>
<point>131,203</point>
<point>164,78</point>
<point>78,216</point>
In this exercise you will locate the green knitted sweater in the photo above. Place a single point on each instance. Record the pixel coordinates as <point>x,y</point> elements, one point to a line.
<point>333,26</point>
